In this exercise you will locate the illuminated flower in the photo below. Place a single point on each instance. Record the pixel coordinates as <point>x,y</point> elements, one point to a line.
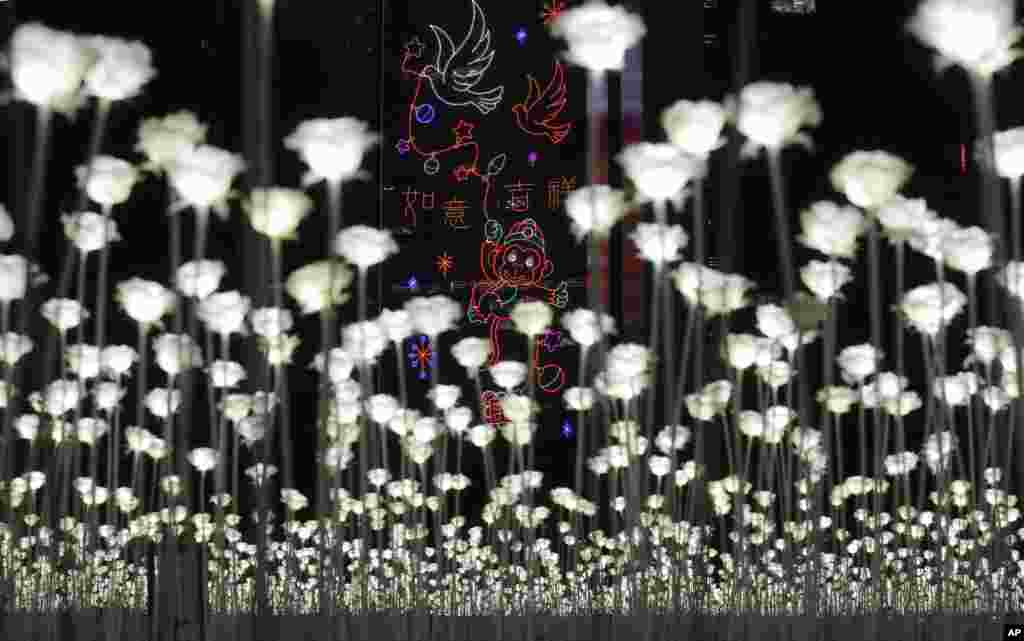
<point>471,353</point>
<point>968,249</point>
<point>6,225</point>
<point>870,179</point>
<point>279,349</point>
<point>659,170</point>
<point>831,229</point>
<point>277,211</point>
<point>365,246</point>
<point>595,209</point>
<point>176,353</point>
<point>629,360</point>
<point>381,408</point>
<point>225,373</point>
<point>120,69</point>
<point>457,419</point>
<point>90,231</point>
<point>772,114</point>
<point>531,318</point>
<point>200,278</point>
<point>364,341</point>
<point>929,237</point>
<point>433,315</point>
<point>695,127</point>
<point>294,500</point>
<point>396,323</point>
<point>203,459</point>
<point>319,285</point>
<point>269,322</point>
<point>976,35</point>
<point>108,181</point>
<point>902,217</point>
<point>928,307</point>
<point>659,243</point>
<point>63,313</point>
<point>508,374</point>
<point>90,430</point>
<point>740,350</point>
<point>252,429</point>
<point>27,426</point>
<point>260,472</point>
<point>583,327</point>
<point>825,279</point>
<point>339,365</point>
<point>48,66</point>
<point>444,396</point>
<point>1009,153</point>
<point>333,148</point>
<point>13,277</point>
<point>202,176</point>
<point>955,390</point>
<point>481,435</point>
<point>13,346</point>
<point>144,301</point>
<point>719,293</point>
<point>83,361</point>
<point>857,362</point>
<point>107,395</point>
<point>162,140</point>
<point>224,312</point>
<point>598,35</point>
<point>987,343</point>
<point>162,402</point>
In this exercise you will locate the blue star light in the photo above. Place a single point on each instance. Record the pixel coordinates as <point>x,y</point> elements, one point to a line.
<point>412,283</point>
<point>521,35</point>
<point>567,430</point>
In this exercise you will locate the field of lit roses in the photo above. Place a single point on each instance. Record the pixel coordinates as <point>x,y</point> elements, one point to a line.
<point>829,508</point>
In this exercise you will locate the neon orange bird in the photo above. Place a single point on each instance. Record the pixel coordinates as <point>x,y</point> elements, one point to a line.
<point>539,119</point>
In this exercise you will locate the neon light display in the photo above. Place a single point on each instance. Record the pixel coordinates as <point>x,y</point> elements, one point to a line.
<point>538,114</point>
<point>421,356</point>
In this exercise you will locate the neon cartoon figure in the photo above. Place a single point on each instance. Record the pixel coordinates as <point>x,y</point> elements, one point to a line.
<point>515,266</point>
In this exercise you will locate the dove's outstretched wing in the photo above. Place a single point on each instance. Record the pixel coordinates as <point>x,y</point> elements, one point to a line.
<point>556,93</point>
<point>469,64</point>
<point>534,95</point>
<point>445,49</point>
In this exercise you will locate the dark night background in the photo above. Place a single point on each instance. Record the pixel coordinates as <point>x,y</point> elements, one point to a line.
<point>876,86</point>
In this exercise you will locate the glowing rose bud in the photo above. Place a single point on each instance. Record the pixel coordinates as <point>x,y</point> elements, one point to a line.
<point>870,179</point>
<point>433,315</point>
<point>83,361</point>
<point>27,426</point>
<point>629,360</point>
<point>13,347</point>
<point>90,430</point>
<point>772,114</point>
<point>144,301</point>
<point>580,399</point>
<point>977,35</point>
<point>63,313</point>
<point>224,313</point>
<point>162,140</point>
<point>176,352</point>
<point>293,499</point>
<point>157,449</point>
<point>659,170</point>
<point>225,374</point>
<point>61,397</point>
<point>396,323</point>
<point>1009,149</point>
<point>120,70</point>
<point>252,429</point>
<point>332,148</point>
<point>108,181</point>
<point>260,472</point>
<point>831,229</point>
<point>279,349</point>
<point>48,66</point>
<point>928,307</point>
<point>90,231</point>
<point>595,209</point>
<point>660,465</point>
<point>445,396</point>
<point>857,362</point>
<point>202,175</point>
<point>203,459</point>
<point>107,395</point>
<point>987,343</point>
<point>117,360</point>
<point>968,250</point>
<point>6,225</point>
<point>276,212</point>
<point>740,350</point>
<point>508,374</point>
<point>364,246</point>
<point>457,419</point>
<point>902,217</point>
<point>269,322</point>
<point>472,353</point>
<point>381,408</point>
<point>751,424</point>
<point>659,243</point>
<point>583,327</point>
<point>339,365</point>
<point>364,341</point>
<point>14,271</point>
<point>825,279</point>
<point>930,235</point>
<point>955,390</point>
<point>531,318</point>
<point>695,127</point>
<point>598,35</point>
<point>319,285</point>
<point>200,278</point>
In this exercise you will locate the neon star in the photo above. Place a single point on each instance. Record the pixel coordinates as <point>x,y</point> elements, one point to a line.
<point>403,146</point>
<point>521,36</point>
<point>567,429</point>
<point>463,131</point>
<point>445,264</point>
<point>552,10</point>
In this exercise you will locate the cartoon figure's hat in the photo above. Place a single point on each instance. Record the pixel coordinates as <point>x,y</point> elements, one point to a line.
<point>526,231</point>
